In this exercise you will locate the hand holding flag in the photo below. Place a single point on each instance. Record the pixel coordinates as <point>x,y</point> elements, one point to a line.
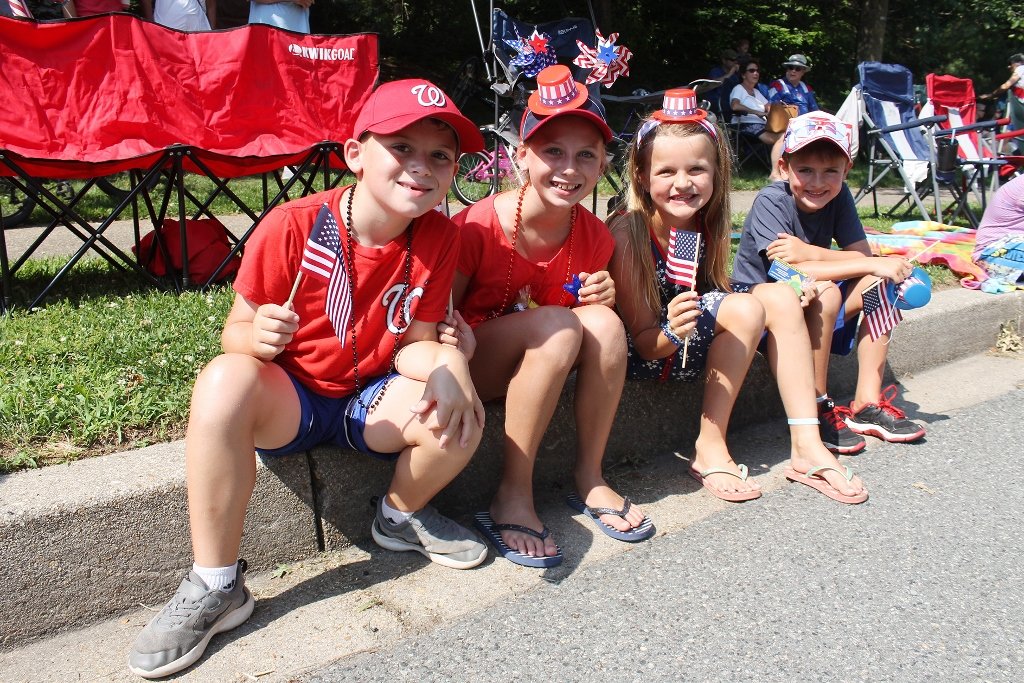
<point>323,261</point>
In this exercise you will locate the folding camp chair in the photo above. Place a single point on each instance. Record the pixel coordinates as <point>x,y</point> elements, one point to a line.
<point>898,140</point>
<point>966,172</point>
<point>170,121</point>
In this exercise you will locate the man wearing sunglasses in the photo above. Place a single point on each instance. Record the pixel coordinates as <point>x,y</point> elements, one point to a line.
<point>791,89</point>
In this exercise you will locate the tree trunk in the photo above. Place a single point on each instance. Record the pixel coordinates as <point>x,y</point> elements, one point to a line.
<point>871,33</point>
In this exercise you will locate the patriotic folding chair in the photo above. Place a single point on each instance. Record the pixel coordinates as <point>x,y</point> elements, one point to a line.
<point>898,141</point>
<point>975,142</point>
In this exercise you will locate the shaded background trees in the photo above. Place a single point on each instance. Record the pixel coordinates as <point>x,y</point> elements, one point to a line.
<point>674,43</point>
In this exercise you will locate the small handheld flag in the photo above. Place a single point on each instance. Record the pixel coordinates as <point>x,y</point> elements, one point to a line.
<point>783,272</point>
<point>322,260</point>
<point>879,313</point>
<point>683,254</point>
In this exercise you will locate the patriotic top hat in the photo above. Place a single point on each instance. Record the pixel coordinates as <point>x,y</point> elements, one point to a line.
<point>914,292</point>
<point>680,106</point>
<point>558,94</point>
<point>556,91</point>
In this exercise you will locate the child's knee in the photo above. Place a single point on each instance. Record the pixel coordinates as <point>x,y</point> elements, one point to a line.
<point>780,300</point>
<point>227,375</point>
<point>602,324</point>
<point>827,303</point>
<point>742,312</point>
<point>556,333</point>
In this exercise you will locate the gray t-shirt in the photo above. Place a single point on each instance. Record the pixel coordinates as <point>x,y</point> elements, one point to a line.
<point>775,211</point>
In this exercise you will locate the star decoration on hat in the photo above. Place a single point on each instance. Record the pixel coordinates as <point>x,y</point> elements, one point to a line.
<point>608,61</point>
<point>533,55</point>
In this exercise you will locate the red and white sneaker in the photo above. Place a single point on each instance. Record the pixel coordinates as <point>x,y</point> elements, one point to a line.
<point>884,420</point>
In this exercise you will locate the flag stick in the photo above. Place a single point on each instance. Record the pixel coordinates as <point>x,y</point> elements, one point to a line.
<point>295,288</point>
<point>696,253</point>
<point>451,304</point>
<point>938,240</point>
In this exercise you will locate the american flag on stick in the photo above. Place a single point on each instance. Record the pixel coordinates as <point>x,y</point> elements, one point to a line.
<point>683,252</point>
<point>322,259</point>
<point>879,313</point>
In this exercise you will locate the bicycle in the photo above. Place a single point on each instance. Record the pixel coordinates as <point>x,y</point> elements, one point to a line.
<point>481,174</point>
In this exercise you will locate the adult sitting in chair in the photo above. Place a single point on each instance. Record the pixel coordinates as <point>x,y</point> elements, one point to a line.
<point>750,111</point>
<point>790,89</point>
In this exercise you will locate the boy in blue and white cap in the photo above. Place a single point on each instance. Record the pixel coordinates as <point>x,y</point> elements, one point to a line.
<point>796,220</point>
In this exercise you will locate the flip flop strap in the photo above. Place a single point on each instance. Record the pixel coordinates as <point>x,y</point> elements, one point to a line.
<point>742,476</point>
<point>612,511</point>
<point>523,529</point>
<point>814,471</point>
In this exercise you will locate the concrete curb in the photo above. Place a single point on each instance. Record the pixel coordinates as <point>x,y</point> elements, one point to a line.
<point>105,534</point>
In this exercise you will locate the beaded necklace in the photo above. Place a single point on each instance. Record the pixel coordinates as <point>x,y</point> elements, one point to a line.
<point>350,270</point>
<point>512,256</point>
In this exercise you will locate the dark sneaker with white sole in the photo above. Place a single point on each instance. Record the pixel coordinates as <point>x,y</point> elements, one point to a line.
<point>884,420</point>
<point>176,637</point>
<point>835,435</point>
<point>431,534</point>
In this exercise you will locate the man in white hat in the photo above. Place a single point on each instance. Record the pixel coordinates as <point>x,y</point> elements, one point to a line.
<point>791,89</point>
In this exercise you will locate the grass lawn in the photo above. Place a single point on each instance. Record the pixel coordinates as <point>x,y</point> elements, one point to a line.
<point>108,365</point>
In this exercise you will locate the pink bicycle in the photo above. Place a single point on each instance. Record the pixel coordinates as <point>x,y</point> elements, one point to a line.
<point>482,174</point>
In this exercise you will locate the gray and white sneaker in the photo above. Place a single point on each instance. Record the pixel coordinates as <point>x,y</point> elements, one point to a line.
<point>433,535</point>
<point>176,637</point>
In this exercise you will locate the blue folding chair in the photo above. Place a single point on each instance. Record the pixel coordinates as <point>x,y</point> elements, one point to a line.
<point>898,140</point>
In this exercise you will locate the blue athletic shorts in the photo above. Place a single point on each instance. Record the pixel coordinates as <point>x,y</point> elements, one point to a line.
<point>338,421</point>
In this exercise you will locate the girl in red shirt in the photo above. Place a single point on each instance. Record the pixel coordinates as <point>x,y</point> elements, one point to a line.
<point>533,282</point>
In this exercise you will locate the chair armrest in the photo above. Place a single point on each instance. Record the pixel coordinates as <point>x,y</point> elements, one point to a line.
<point>928,121</point>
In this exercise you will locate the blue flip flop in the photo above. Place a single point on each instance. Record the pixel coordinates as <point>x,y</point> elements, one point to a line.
<point>634,535</point>
<point>492,531</point>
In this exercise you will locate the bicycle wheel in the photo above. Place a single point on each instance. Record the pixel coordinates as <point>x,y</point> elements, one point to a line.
<point>473,179</point>
<point>15,205</point>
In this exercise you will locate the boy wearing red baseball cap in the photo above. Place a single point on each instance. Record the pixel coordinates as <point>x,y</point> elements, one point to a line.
<point>332,339</point>
<point>796,221</point>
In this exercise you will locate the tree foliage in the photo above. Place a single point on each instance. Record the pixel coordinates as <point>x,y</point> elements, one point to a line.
<point>674,43</point>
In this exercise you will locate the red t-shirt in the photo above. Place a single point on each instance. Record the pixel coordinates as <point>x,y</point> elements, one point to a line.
<point>85,8</point>
<point>315,356</point>
<point>485,252</point>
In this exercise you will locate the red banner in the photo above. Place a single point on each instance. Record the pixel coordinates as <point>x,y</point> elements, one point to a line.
<point>110,93</point>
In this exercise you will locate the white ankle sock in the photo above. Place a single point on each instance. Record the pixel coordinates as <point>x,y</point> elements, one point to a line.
<point>217,578</point>
<point>391,514</point>
<point>822,398</point>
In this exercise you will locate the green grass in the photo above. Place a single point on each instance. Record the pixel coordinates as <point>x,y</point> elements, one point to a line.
<point>110,368</point>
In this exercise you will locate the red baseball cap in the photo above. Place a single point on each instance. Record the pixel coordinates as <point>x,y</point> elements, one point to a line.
<point>395,105</point>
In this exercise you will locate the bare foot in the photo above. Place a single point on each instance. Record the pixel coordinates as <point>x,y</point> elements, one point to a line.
<point>517,511</point>
<point>716,456</point>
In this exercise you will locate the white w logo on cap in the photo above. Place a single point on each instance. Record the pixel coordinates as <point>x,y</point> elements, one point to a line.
<point>429,95</point>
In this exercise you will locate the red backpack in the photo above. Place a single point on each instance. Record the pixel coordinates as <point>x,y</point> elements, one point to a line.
<point>208,246</point>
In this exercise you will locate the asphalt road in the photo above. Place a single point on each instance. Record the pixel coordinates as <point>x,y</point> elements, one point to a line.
<point>922,583</point>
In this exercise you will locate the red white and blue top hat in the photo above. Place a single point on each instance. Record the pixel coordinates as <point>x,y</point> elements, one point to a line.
<point>680,106</point>
<point>558,94</point>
